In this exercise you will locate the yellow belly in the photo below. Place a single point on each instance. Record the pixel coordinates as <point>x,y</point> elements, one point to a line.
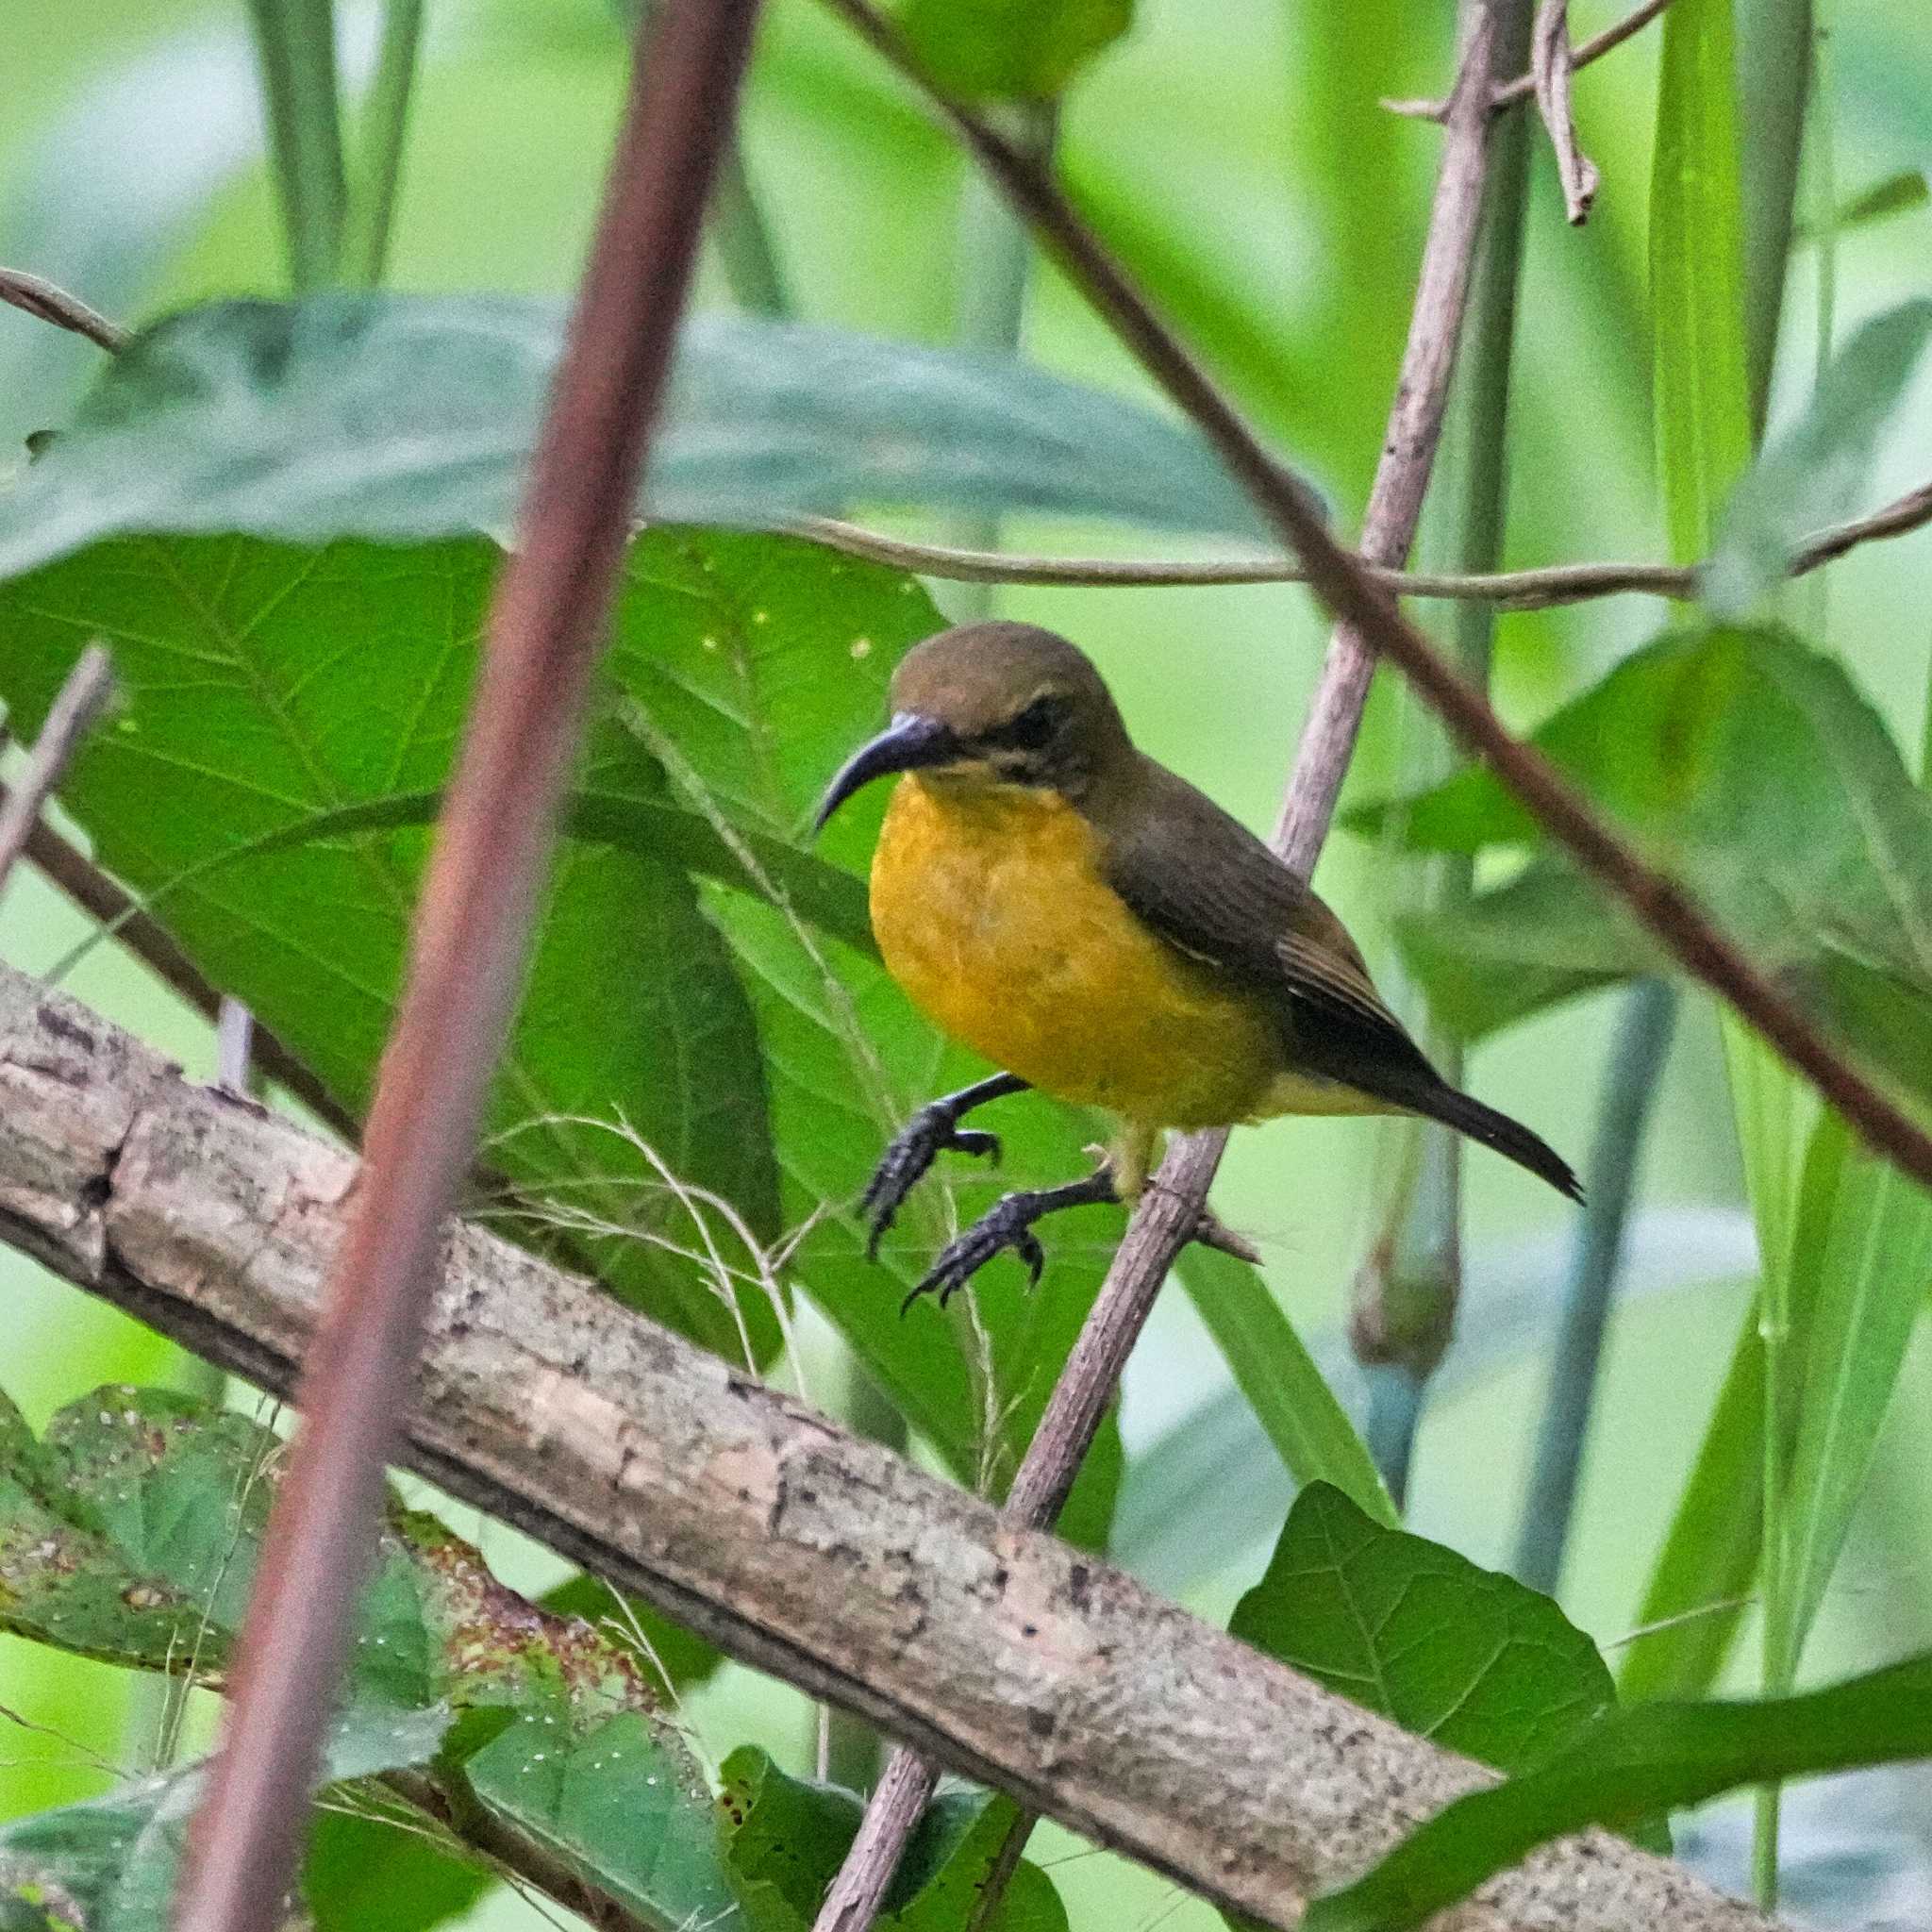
<point>991,913</point>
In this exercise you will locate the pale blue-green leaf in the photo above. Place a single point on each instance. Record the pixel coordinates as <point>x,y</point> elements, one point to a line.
<point>402,418</point>
<point>1812,474</point>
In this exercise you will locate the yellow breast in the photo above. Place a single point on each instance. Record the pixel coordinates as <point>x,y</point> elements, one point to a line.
<point>991,912</point>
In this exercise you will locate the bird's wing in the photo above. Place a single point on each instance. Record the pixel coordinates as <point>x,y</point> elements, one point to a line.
<point>1204,884</point>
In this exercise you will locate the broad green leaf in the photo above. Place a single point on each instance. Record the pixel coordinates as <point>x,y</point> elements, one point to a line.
<point>1703,392</point>
<point>1289,1394</point>
<point>1709,747</point>
<point>131,1531</point>
<point>788,1838</point>
<point>1810,473</point>
<point>366,1874</point>
<point>403,418</point>
<point>1631,1764</point>
<point>1862,1259</point>
<point>109,1865</point>
<point>1467,1657</point>
<point>268,688</point>
<point>1011,49</point>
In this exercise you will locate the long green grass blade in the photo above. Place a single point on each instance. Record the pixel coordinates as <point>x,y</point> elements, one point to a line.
<point>296,44</point>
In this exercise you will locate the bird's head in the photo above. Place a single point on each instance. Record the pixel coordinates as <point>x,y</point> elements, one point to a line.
<point>986,705</point>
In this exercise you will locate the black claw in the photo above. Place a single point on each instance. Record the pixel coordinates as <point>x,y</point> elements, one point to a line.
<point>1008,1223</point>
<point>933,1130</point>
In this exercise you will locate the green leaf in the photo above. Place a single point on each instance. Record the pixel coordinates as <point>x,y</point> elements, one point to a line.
<point>1697,276</point>
<point>1707,747</point>
<point>1289,1395</point>
<point>1466,1657</point>
<point>366,1874</point>
<point>131,1531</point>
<point>1011,49</point>
<point>404,418</point>
<point>1810,474</point>
<point>108,1865</point>
<point>1862,1259</point>
<point>1631,1764</point>
<point>787,1839</point>
<point>677,1659</point>
<point>268,688</point>
<point>1702,1582</point>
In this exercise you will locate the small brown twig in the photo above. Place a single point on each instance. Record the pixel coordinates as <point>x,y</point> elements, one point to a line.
<point>1126,1300</point>
<point>41,298</point>
<point>1524,86</point>
<point>1541,589</point>
<point>1551,64</point>
<point>469,942</point>
<point>81,699</point>
<point>104,900</point>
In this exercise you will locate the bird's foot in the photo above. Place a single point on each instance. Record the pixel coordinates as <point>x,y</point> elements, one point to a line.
<point>930,1131</point>
<point>1007,1225</point>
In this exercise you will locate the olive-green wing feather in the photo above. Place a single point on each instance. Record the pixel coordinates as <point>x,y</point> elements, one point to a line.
<point>1204,884</point>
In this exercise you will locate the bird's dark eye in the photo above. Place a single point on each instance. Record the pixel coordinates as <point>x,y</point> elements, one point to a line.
<point>1032,728</point>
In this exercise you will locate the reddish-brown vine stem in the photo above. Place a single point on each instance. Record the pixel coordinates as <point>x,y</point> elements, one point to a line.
<point>468,945</point>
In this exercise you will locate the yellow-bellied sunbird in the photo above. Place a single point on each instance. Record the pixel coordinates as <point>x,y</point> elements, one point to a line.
<point>1094,925</point>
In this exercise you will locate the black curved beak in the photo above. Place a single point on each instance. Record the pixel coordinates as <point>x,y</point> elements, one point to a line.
<point>909,743</point>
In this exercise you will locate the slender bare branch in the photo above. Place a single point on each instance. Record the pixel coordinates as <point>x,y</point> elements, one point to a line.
<point>1551,64</point>
<point>1656,899</point>
<point>104,900</point>
<point>1093,1369</point>
<point>41,298</point>
<point>793,1545</point>
<point>468,944</point>
<point>1523,87</point>
<point>1541,589</point>
<point>80,702</point>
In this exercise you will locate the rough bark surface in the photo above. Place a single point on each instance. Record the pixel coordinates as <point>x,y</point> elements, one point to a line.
<point>1003,1654</point>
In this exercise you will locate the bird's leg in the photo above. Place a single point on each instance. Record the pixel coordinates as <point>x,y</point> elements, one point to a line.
<point>1008,1223</point>
<point>936,1125</point>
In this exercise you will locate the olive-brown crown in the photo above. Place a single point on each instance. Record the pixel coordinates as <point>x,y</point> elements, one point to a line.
<point>1015,698</point>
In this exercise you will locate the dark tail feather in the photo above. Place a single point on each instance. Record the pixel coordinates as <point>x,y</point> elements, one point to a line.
<point>1497,1130</point>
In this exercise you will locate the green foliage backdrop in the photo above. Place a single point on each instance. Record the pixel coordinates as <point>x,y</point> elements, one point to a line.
<point>706,1023</point>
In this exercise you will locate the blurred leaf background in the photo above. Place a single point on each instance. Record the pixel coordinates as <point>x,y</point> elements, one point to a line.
<point>1237,156</point>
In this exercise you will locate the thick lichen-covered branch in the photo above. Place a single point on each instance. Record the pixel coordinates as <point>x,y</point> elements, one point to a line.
<point>1000,1652</point>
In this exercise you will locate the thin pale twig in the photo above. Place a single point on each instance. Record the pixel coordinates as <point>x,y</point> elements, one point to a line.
<point>1524,86</point>
<point>1176,1199</point>
<point>1541,589</point>
<point>1551,64</point>
<point>234,1045</point>
<point>40,297</point>
<point>82,698</point>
